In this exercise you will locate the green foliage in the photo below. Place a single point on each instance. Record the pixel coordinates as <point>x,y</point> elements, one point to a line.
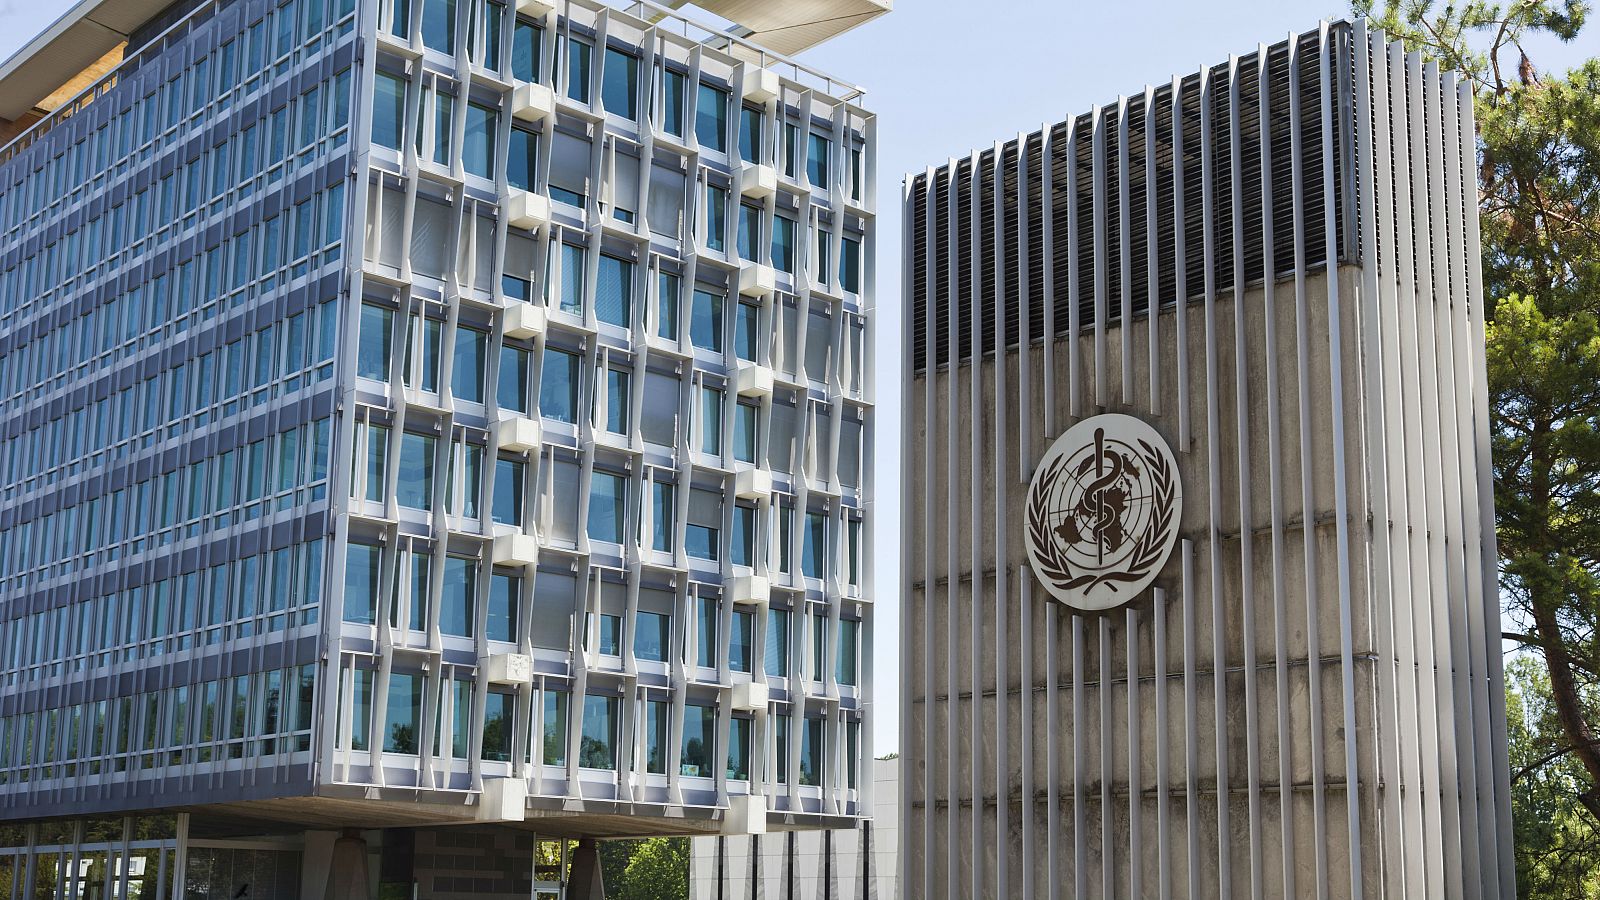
<point>1555,838</point>
<point>1539,191</point>
<point>646,869</point>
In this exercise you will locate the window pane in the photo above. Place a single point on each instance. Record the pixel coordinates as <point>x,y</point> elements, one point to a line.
<point>597,748</point>
<point>443,127</point>
<point>845,663</point>
<point>700,541</point>
<point>414,486</point>
<point>400,727</point>
<point>613,292</point>
<point>472,480</point>
<point>607,494</point>
<point>466,380</point>
<point>505,592</point>
<point>783,244</point>
<point>456,605</point>
<point>817,161</point>
<point>571,278</point>
<point>667,288</point>
<point>742,549</point>
<point>620,92</point>
<point>525,52</point>
<point>361,584</point>
<point>711,119</point>
<point>650,637</point>
<point>739,749</point>
<point>522,159</point>
<point>711,421</point>
<point>388,111</point>
<point>744,334</point>
<point>617,401</point>
<point>377,338</point>
<point>499,714</point>
<point>749,133</point>
<point>377,462</point>
<point>781,748</point>
<point>578,53</point>
<point>558,386</point>
<point>656,737</point>
<point>749,231</point>
<point>706,650</point>
<point>716,219</point>
<point>420,588</point>
<point>508,492</point>
<point>740,642</point>
<point>360,718</point>
<point>744,433</point>
<point>512,391</point>
<point>777,655</point>
<point>811,752</point>
<point>555,728</point>
<point>672,95</point>
<point>705,322</point>
<point>699,741</point>
<point>662,515</point>
<point>816,546</point>
<point>610,635</point>
<point>439,25</point>
<point>850,266</point>
<point>477,153</point>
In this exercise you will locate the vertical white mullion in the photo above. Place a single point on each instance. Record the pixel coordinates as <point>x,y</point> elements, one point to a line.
<point>1307,485</point>
<point>1125,254</point>
<point>1341,500</point>
<point>1456,169</point>
<point>1491,610</point>
<point>1152,251</point>
<point>1001,500</point>
<point>1080,818</point>
<point>1180,267</point>
<point>1026,420</point>
<point>930,372</point>
<point>1413,285</point>
<point>1219,654</point>
<point>1163,769</point>
<point>1135,791</point>
<point>1241,365</point>
<point>1108,872</point>
<point>1097,180</point>
<point>975,497</point>
<point>1450,623</point>
<point>1052,627</point>
<point>952,579</point>
<point>1191,730</point>
<point>1369,61</point>
<point>1280,642</point>
<point>1074,354</point>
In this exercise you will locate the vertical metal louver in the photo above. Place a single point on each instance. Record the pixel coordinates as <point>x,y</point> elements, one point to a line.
<point>1035,232</point>
<point>984,176</point>
<point>1028,234</point>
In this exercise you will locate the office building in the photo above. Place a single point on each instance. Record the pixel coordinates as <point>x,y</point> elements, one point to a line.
<point>1199,552</point>
<point>426,413</point>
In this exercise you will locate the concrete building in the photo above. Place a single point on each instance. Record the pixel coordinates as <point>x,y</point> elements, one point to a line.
<point>425,413</point>
<point>856,864</point>
<point>1268,272</point>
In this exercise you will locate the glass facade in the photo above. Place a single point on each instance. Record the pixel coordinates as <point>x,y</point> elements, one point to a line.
<point>240,380</point>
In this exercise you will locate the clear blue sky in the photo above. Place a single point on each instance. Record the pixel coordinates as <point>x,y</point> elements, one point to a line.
<point>945,77</point>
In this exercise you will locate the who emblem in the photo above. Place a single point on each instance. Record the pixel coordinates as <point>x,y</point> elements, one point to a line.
<point>1103,512</point>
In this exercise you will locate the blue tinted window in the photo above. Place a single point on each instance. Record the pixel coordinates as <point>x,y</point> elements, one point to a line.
<point>388,111</point>
<point>613,290</point>
<point>512,390</point>
<point>607,496</point>
<point>716,218</point>
<point>571,278</point>
<point>377,338</point>
<point>477,153</point>
<point>783,244</point>
<point>414,486</point>
<point>749,133</point>
<point>466,381</point>
<point>619,90</point>
<point>672,99</point>
<point>521,159</point>
<point>749,231</point>
<point>508,492</point>
<point>439,25</point>
<point>578,53</point>
<point>361,584</point>
<point>711,118</point>
<point>525,52</point>
<point>504,595</point>
<point>456,604</point>
<point>817,161</point>
<point>705,322</point>
<point>558,386</point>
<point>651,636</point>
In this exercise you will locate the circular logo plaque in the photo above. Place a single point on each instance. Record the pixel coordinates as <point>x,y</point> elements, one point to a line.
<point>1103,512</point>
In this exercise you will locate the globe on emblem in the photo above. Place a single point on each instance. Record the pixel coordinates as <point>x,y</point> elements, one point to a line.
<point>1103,511</point>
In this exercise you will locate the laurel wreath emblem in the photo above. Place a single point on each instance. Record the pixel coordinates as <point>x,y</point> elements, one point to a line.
<point>1052,563</point>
